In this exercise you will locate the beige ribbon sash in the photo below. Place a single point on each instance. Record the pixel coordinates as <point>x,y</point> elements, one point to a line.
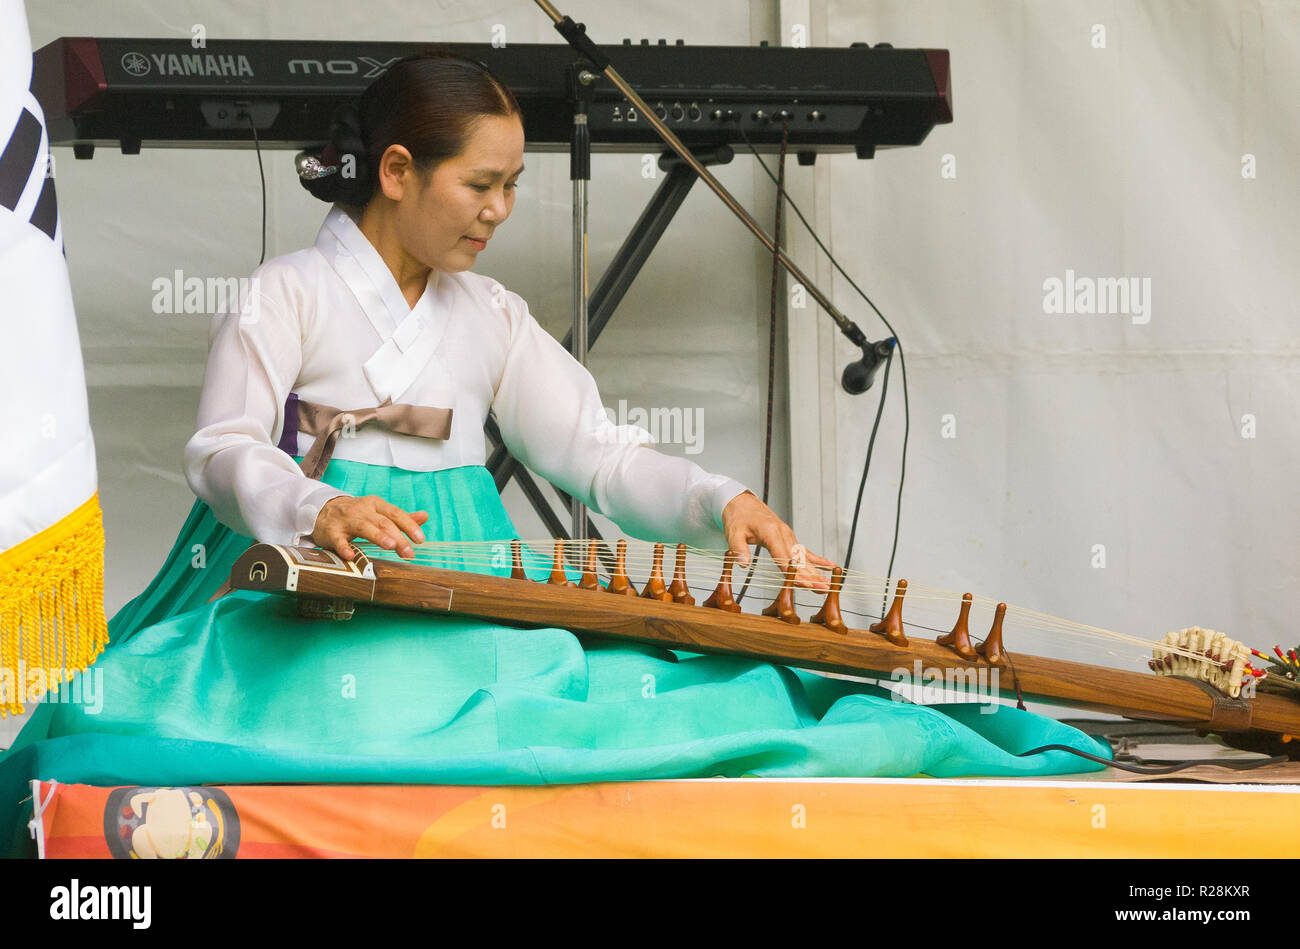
<point>326,422</point>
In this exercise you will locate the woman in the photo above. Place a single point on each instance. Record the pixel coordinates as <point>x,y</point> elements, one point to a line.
<point>412,221</point>
<point>384,311</point>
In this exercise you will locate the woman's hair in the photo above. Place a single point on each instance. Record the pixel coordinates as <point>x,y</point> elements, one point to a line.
<point>427,103</point>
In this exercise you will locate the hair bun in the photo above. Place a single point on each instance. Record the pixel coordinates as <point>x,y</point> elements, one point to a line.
<point>340,171</point>
<point>346,116</point>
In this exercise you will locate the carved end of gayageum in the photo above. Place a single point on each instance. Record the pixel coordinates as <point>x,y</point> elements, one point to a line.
<point>991,649</point>
<point>558,577</point>
<point>655,588</point>
<point>618,581</point>
<point>589,579</point>
<point>959,639</point>
<point>679,589</point>
<point>722,598</point>
<point>891,627</point>
<point>783,606</point>
<point>829,615</point>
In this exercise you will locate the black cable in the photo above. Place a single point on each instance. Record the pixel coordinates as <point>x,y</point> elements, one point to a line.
<point>1155,769</point>
<point>771,348</point>
<point>902,359</point>
<point>871,447</point>
<point>1015,679</point>
<point>771,320</point>
<point>257,145</point>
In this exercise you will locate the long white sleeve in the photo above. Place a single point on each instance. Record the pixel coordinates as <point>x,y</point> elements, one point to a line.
<point>551,418</point>
<point>231,462</point>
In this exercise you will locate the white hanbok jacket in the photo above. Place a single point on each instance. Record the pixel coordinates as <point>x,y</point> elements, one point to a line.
<point>330,324</point>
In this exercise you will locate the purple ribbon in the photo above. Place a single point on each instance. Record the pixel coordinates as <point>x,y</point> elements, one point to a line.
<point>289,437</point>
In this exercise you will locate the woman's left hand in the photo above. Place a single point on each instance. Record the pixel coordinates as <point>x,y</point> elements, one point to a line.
<point>747,520</point>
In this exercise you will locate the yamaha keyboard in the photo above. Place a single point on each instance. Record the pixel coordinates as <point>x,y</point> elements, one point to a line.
<point>164,93</point>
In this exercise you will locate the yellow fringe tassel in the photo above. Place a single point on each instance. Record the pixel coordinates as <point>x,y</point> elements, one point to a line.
<point>51,607</point>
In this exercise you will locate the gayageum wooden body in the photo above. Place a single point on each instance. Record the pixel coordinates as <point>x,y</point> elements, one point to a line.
<point>328,587</point>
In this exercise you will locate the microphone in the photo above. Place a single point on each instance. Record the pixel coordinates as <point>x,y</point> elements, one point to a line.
<point>858,376</point>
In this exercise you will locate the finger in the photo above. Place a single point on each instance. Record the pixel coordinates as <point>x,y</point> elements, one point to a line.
<point>738,542</point>
<point>404,522</point>
<point>341,544</point>
<point>376,531</point>
<point>401,543</point>
<point>774,540</point>
<point>395,536</point>
<point>812,581</point>
<point>819,561</point>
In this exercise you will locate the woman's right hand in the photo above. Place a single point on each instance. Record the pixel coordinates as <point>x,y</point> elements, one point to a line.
<point>370,518</point>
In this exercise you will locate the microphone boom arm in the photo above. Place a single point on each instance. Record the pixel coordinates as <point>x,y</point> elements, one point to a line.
<point>576,35</point>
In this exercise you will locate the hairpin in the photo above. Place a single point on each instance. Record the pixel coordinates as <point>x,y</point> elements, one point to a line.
<point>310,167</point>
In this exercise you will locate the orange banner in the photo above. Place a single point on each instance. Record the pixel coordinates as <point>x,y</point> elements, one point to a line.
<point>695,818</point>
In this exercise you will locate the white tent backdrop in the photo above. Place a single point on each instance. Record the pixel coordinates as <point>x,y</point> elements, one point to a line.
<point>1166,440</point>
<point>1071,430</point>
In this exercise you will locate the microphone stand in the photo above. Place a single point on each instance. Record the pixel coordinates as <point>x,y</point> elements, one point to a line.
<point>576,35</point>
<point>579,82</point>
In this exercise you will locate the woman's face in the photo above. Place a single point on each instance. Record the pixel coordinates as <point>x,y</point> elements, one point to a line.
<point>446,224</point>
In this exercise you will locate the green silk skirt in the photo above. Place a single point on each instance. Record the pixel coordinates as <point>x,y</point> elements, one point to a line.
<point>242,690</point>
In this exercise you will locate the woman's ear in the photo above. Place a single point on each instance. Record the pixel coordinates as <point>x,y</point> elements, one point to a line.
<point>397,172</point>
